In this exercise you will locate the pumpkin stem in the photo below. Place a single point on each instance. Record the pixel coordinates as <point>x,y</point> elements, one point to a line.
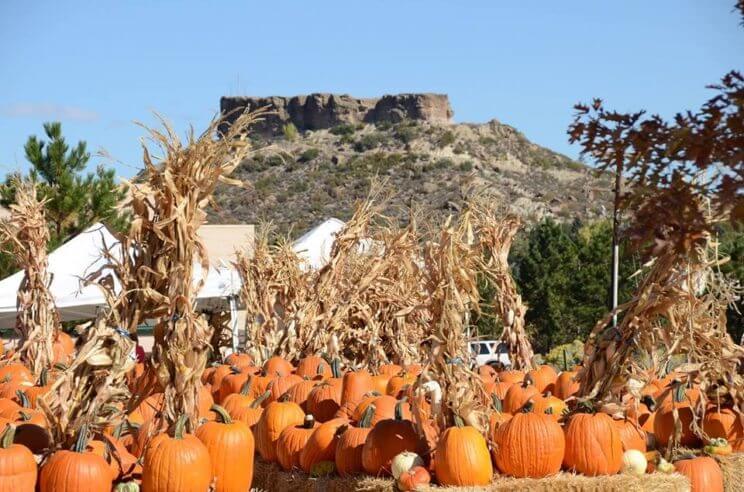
<point>258,401</point>
<point>309,422</point>
<point>320,370</point>
<point>246,388</point>
<point>234,370</point>
<point>527,407</point>
<point>527,381</point>
<point>565,361</point>
<point>180,426</point>
<point>6,438</point>
<point>648,400</point>
<point>82,439</point>
<point>366,420</point>
<point>496,403</point>
<point>43,377</point>
<point>23,399</point>
<point>60,366</point>
<point>222,413</point>
<point>679,392</point>
<point>458,421</point>
<point>399,409</point>
<point>549,411</point>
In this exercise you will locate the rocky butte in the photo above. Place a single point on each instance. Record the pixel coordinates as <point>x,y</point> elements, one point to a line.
<point>322,111</point>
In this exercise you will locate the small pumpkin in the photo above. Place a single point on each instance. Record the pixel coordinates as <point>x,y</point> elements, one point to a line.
<point>417,478</point>
<point>461,458</point>
<point>683,400</point>
<point>550,405</point>
<point>631,434</point>
<point>723,423</point>
<point>634,462</point>
<point>249,414</point>
<point>566,385</point>
<point>543,378</point>
<point>718,446</point>
<point>519,394</point>
<point>300,391</point>
<point>354,386</point>
<point>276,417</point>
<point>403,462</point>
<point>313,366</point>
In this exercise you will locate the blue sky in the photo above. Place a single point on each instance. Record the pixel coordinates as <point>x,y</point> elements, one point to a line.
<point>97,66</point>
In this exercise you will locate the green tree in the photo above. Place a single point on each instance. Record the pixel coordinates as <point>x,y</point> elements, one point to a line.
<point>732,245</point>
<point>74,200</point>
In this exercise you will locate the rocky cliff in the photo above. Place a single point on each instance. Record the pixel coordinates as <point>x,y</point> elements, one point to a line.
<point>324,111</point>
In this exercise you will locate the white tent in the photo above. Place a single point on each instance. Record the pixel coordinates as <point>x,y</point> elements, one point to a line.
<point>315,245</point>
<point>82,255</point>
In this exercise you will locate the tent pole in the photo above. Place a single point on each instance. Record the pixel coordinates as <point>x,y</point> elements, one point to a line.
<point>234,322</point>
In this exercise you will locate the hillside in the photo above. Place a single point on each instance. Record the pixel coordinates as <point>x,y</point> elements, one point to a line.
<point>302,177</point>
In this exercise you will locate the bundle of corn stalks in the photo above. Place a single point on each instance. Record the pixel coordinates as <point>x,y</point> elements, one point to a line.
<point>681,307</point>
<point>274,286</point>
<point>92,390</point>
<point>37,321</point>
<point>163,250</point>
<point>450,270</point>
<point>495,236</point>
<point>222,336</point>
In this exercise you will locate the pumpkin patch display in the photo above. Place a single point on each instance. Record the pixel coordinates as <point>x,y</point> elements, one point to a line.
<point>462,457</point>
<point>385,441</point>
<point>76,470</point>
<point>276,417</point>
<point>593,445</point>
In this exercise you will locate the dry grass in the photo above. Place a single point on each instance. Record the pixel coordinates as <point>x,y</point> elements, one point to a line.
<point>26,236</point>
<point>268,477</point>
<point>733,472</point>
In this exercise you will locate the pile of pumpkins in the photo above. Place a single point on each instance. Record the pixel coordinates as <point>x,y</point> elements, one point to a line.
<point>315,418</point>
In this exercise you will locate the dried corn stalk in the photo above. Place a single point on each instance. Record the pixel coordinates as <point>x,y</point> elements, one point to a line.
<point>92,390</point>
<point>495,235</point>
<point>37,319</point>
<point>450,271</point>
<point>164,250</point>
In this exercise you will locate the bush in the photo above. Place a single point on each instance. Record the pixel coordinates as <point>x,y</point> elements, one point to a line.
<point>368,142</point>
<point>290,131</point>
<point>309,155</point>
<point>447,138</point>
<point>564,357</point>
<point>466,166</point>
<point>274,161</point>
<point>342,130</point>
<point>405,134</point>
<point>443,163</point>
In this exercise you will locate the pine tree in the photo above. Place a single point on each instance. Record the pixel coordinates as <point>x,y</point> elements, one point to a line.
<point>74,200</point>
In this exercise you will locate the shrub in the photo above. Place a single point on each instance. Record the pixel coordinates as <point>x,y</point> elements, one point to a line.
<point>309,155</point>
<point>368,142</point>
<point>405,134</point>
<point>447,138</point>
<point>466,166</point>
<point>342,130</point>
<point>443,163</point>
<point>290,131</point>
<point>573,352</point>
<point>274,161</point>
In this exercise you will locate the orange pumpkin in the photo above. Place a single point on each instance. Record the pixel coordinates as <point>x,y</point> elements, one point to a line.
<point>322,444</point>
<point>390,369</point>
<point>324,400</point>
<point>530,444</point>
<point>300,391</point>
<point>351,443</point>
<point>593,445</point>
<point>511,376</point>
<point>41,387</point>
<point>240,360</point>
<point>551,405</point>
<point>147,409</point>
<point>15,371</point>
<point>704,473</point>
<point>398,382</point>
<point>385,408</point>
<point>78,470</point>
<point>385,441</point>
<point>518,395</point>
<point>63,348</point>
<point>631,435</point>
<point>566,385</point>
<point>250,414</point>
<point>684,401</point>
<point>461,458</point>
<point>276,417</point>
<point>230,446</point>
<point>176,464</point>
<point>313,366</point>
<point>414,479</point>
<point>354,386</point>
<point>487,374</point>
<point>280,385</point>
<point>497,417</point>
<point>17,464</point>
<point>231,383</point>
<point>543,378</point>
<point>497,388</point>
<point>243,398</point>
<point>218,374</point>
<point>380,382</point>
<point>291,442</point>
<point>277,366</point>
<point>723,423</point>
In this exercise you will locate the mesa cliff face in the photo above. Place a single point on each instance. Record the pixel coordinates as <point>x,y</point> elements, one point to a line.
<point>324,111</point>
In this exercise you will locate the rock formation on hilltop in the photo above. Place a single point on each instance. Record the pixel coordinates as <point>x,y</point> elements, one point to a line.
<point>324,111</point>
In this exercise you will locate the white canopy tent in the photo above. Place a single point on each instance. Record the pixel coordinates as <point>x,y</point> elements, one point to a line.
<point>315,245</point>
<point>82,255</point>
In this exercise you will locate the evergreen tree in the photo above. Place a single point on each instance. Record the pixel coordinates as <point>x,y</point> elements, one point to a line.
<point>74,200</point>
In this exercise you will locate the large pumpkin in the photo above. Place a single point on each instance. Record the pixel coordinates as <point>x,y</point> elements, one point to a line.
<point>291,442</point>
<point>593,445</point>
<point>313,366</point>
<point>78,470</point>
<point>387,439</point>
<point>462,458</point>
<point>385,408</point>
<point>243,398</point>
<point>230,446</point>
<point>176,464</point>
<point>704,474</point>
<point>550,405</point>
<point>277,366</point>
<point>322,444</point>
<point>530,444</point>
<point>249,414</point>
<point>353,388</point>
<point>276,417</point>
<point>351,443</point>
<point>17,464</point>
<point>281,385</point>
<point>241,360</point>
<point>231,383</point>
<point>543,378</point>
<point>300,391</point>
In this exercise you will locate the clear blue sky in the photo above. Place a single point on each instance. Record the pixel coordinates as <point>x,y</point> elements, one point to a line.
<point>97,66</point>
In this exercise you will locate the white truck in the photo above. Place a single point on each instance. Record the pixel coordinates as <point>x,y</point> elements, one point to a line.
<point>490,352</point>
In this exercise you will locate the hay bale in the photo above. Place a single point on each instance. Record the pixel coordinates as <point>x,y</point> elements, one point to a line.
<point>733,472</point>
<point>269,478</point>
